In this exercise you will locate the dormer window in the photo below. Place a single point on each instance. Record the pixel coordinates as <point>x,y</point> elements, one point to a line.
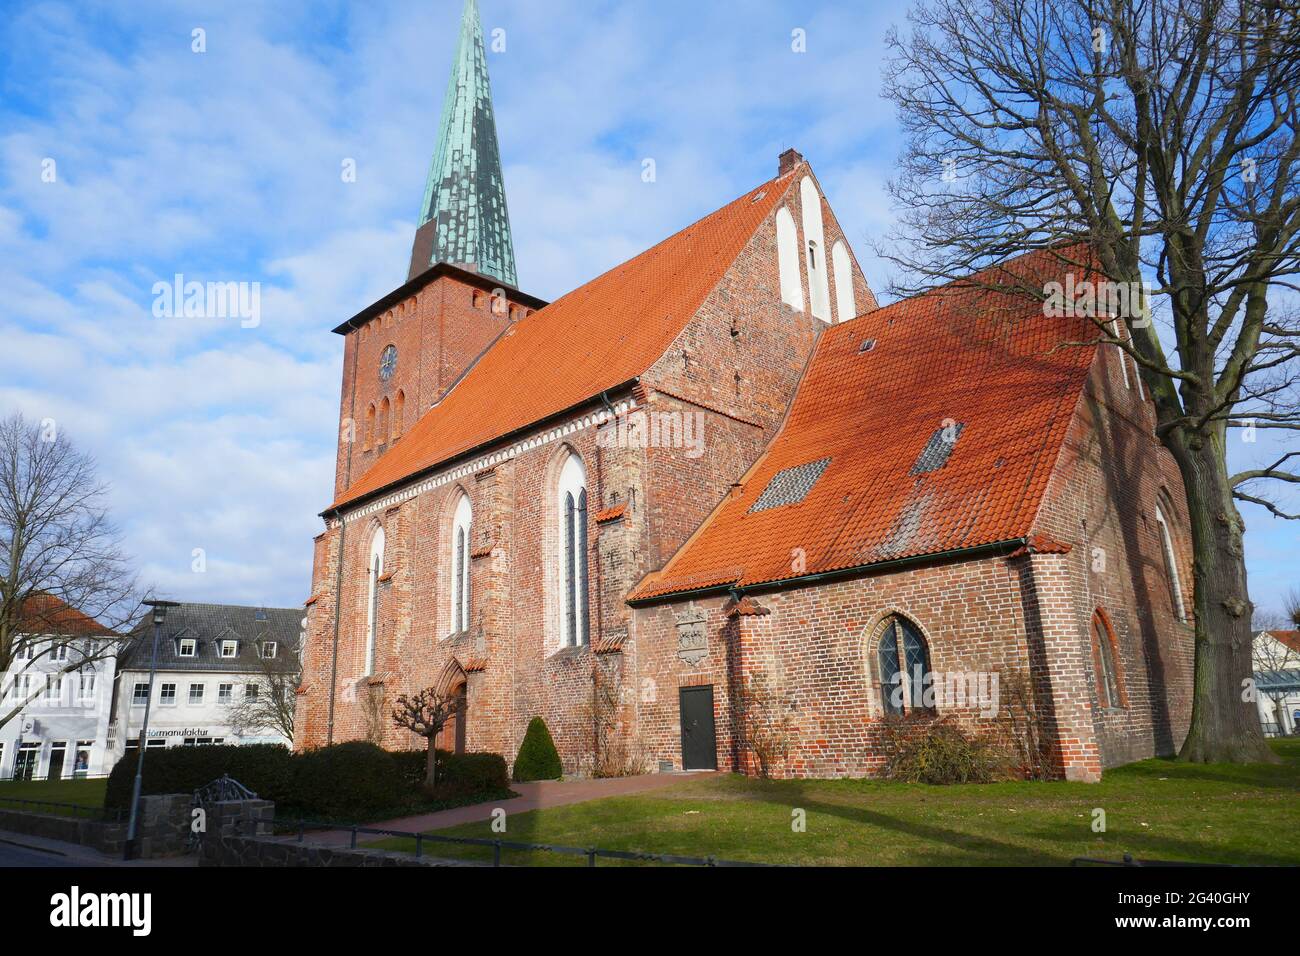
<point>229,648</point>
<point>269,650</point>
<point>188,647</point>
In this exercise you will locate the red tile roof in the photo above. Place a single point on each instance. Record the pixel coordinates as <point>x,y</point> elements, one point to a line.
<point>1290,638</point>
<point>47,614</point>
<point>960,354</point>
<point>598,337</point>
<point>611,514</point>
<point>1041,544</point>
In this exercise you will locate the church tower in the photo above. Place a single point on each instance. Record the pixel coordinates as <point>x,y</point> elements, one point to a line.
<point>404,353</point>
<point>463,217</point>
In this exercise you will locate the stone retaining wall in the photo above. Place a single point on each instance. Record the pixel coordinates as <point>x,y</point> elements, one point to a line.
<point>162,831</point>
<point>225,850</point>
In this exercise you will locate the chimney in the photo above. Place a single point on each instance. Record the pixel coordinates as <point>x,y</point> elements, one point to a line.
<point>789,160</point>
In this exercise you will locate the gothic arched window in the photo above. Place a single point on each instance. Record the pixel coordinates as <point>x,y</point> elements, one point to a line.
<point>1110,694</point>
<point>902,662</point>
<point>846,305</point>
<point>461,525</point>
<point>818,285</point>
<point>1171,566</point>
<point>575,615</point>
<point>399,406</point>
<point>381,424</point>
<point>374,570</point>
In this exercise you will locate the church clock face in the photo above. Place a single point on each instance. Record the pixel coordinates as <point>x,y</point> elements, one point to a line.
<point>388,363</point>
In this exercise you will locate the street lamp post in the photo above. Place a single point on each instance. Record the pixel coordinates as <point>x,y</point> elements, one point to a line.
<point>159,615</point>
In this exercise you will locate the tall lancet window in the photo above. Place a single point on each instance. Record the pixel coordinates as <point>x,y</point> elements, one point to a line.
<point>1171,566</point>
<point>375,570</point>
<point>576,618</point>
<point>460,546</point>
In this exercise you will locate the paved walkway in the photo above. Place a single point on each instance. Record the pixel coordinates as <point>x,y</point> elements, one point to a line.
<point>541,795</point>
<point>23,850</point>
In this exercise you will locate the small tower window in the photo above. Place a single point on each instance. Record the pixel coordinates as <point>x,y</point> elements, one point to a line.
<point>381,424</point>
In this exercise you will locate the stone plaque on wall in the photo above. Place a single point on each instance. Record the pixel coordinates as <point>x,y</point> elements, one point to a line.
<point>692,637</point>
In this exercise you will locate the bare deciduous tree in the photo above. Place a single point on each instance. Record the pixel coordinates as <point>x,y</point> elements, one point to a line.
<point>1291,607</point>
<point>426,714</point>
<point>1164,134</point>
<point>277,679</point>
<point>67,589</point>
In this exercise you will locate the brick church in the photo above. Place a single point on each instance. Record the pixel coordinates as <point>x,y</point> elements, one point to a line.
<point>719,486</point>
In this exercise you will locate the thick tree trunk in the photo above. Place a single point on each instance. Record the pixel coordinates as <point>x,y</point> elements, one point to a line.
<point>1225,722</point>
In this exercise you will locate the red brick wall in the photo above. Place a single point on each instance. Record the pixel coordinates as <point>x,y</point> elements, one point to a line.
<point>816,648</point>
<point>739,361</point>
<point>439,331</point>
<point>1102,499</point>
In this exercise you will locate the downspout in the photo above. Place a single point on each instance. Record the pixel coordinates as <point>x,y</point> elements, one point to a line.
<point>736,680</point>
<point>343,530</point>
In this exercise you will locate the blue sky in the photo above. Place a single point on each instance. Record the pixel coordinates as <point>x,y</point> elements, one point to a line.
<point>225,166</point>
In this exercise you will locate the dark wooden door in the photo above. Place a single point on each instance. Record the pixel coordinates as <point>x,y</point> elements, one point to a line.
<point>462,718</point>
<point>699,739</point>
<point>56,764</point>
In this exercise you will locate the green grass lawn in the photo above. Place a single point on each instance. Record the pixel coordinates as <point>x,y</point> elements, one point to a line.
<point>1156,809</point>
<point>86,793</point>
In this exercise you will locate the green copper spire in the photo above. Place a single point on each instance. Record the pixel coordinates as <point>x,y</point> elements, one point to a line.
<point>463,219</point>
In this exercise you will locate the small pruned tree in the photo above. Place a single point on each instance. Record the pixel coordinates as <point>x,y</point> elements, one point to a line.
<point>426,715</point>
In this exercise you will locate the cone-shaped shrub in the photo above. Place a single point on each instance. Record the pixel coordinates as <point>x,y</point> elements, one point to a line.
<point>538,758</point>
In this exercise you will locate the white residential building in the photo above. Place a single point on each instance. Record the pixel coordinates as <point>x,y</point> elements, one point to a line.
<point>61,684</point>
<point>1277,681</point>
<point>210,657</point>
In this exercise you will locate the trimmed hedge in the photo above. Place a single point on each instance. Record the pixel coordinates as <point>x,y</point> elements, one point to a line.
<point>348,780</point>
<point>266,769</point>
<point>457,773</point>
<point>351,781</point>
<point>538,759</point>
